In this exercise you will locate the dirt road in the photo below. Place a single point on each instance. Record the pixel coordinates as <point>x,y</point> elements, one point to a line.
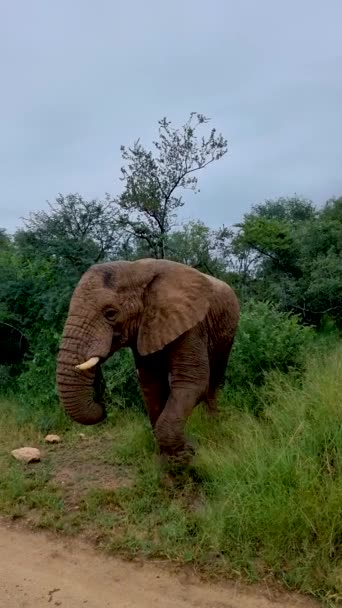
<point>37,570</point>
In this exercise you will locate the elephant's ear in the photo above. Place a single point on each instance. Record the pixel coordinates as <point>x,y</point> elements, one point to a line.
<point>175,301</point>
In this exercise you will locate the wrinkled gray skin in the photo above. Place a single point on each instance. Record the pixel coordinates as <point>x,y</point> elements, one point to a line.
<point>180,325</point>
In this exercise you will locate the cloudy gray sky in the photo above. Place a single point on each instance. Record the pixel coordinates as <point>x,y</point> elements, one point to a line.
<point>81,77</point>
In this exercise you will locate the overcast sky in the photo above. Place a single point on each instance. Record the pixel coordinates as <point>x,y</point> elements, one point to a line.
<point>79,78</point>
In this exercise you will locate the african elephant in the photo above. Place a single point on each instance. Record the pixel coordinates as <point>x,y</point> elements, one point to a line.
<point>180,325</point>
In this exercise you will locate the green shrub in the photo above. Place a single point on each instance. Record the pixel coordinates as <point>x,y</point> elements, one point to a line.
<point>6,379</point>
<point>36,391</point>
<point>122,386</point>
<point>267,339</point>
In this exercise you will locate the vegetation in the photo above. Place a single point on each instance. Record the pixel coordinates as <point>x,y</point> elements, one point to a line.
<point>264,493</point>
<point>263,498</point>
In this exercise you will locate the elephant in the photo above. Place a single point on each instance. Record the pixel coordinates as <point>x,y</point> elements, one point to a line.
<point>180,324</point>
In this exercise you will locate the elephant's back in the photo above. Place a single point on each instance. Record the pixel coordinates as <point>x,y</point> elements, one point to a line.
<point>223,315</point>
<point>224,296</point>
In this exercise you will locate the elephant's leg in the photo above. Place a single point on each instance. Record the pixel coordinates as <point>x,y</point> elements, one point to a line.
<point>189,384</point>
<point>155,388</point>
<point>218,366</point>
<point>169,429</point>
<point>217,372</point>
<point>211,402</point>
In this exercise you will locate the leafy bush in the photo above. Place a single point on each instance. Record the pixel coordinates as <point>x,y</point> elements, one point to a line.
<point>122,388</point>
<point>36,391</point>
<point>267,339</point>
<point>5,377</point>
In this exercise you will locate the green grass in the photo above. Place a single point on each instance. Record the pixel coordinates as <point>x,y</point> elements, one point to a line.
<point>263,498</point>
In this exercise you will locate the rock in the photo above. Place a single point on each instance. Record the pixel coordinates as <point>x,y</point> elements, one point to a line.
<point>82,435</point>
<point>26,454</point>
<point>53,439</point>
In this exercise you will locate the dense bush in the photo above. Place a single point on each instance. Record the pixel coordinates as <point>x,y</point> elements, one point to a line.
<point>35,388</point>
<point>267,339</point>
<point>122,386</point>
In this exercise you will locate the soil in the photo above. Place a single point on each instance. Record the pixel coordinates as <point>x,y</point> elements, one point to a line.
<point>42,570</point>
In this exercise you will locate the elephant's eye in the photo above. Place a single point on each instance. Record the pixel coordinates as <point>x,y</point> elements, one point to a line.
<point>110,314</point>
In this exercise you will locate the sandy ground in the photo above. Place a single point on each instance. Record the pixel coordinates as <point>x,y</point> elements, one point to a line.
<point>37,570</point>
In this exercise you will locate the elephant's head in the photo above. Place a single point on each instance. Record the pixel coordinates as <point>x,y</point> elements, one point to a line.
<point>144,304</point>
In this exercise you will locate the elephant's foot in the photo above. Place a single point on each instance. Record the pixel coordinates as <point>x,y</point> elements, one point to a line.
<point>211,408</point>
<point>177,460</point>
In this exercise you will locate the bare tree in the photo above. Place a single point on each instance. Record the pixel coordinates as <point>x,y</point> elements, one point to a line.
<point>154,180</point>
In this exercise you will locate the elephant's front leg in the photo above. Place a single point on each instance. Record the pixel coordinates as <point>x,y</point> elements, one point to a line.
<point>154,384</point>
<point>189,384</point>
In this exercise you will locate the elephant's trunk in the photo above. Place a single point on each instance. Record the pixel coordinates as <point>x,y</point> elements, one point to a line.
<point>80,392</point>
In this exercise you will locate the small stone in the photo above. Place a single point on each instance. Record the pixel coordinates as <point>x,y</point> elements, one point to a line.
<point>26,454</point>
<point>53,439</point>
<point>82,435</point>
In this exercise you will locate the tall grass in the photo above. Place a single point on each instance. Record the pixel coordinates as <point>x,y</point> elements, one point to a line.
<point>274,486</point>
<point>267,500</point>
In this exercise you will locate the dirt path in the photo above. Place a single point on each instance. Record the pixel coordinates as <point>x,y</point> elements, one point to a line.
<point>37,570</point>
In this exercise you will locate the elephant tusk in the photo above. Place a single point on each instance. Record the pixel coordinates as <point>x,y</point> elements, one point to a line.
<point>88,364</point>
